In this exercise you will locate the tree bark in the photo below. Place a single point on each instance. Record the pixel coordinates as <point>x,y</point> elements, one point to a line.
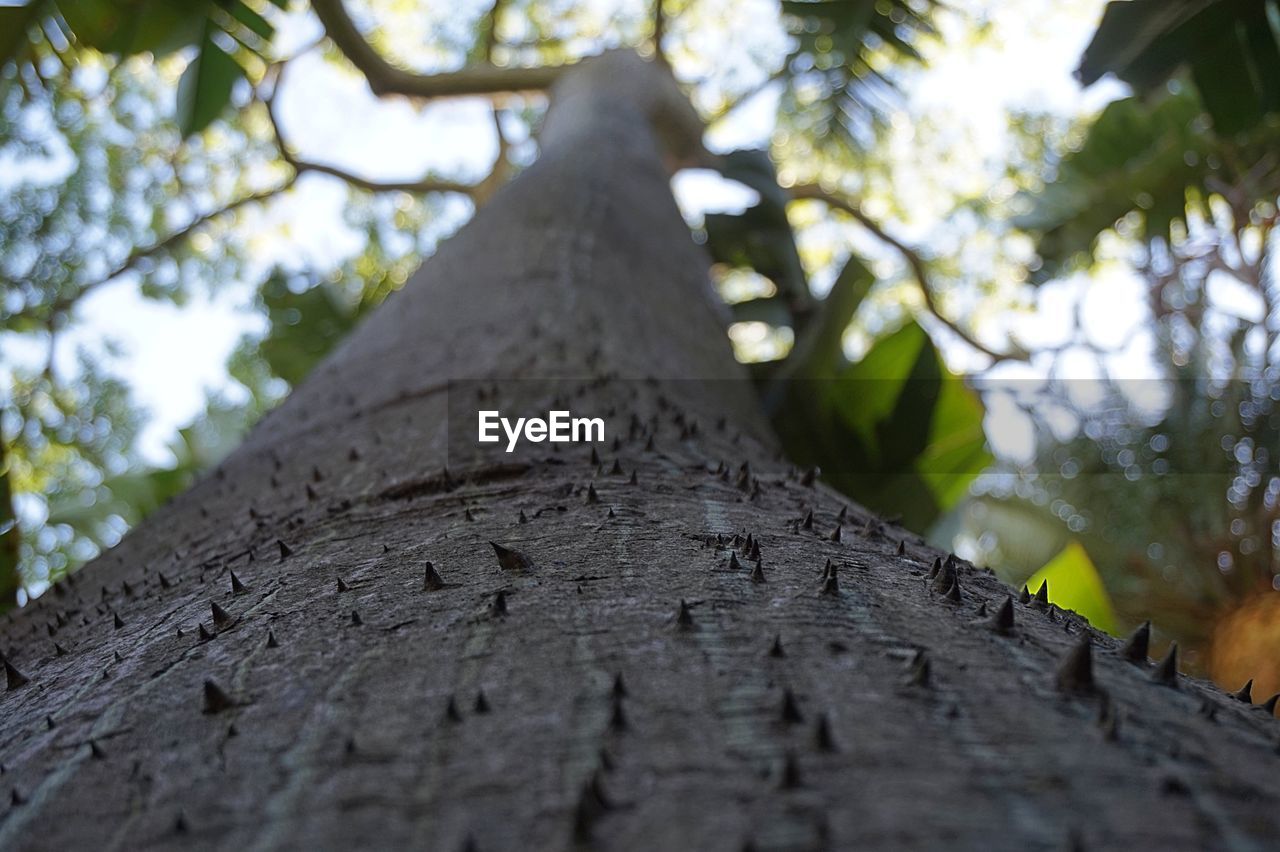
<point>335,701</point>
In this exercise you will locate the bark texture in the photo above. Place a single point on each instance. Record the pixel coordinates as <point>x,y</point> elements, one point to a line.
<point>335,699</point>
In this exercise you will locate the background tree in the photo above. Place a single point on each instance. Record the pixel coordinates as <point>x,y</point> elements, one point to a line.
<point>356,632</point>
<point>1170,482</point>
<point>226,72</point>
<point>100,74</point>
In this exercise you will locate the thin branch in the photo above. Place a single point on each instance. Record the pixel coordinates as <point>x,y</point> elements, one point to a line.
<point>301,166</point>
<point>818,348</point>
<point>913,259</point>
<point>1269,301</point>
<point>387,79</point>
<point>414,187</point>
<point>14,43</point>
<point>659,30</point>
<point>52,354</point>
<point>498,174</point>
<point>491,37</point>
<point>65,303</point>
<point>724,111</point>
<point>504,144</point>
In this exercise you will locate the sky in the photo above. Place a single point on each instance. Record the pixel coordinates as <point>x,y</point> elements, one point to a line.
<point>171,356</point>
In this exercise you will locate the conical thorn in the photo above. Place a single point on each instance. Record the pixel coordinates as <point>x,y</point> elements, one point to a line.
<point>1166,671</point>
<point>1136,647</point>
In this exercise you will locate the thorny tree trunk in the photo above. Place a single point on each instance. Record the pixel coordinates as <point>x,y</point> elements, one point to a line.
<point>886,715</point>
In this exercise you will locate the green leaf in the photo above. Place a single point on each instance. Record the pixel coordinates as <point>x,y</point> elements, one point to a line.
<point>1140,41</point>
<point>125,27</point>
<point>834,45</point>
<point>1222,76</point>
<point>957,448</point>
<point>1074,584</point>
<point>204,89</point>
<point>770,309</point>
<point>9,537</point>
<point>905,434</point>
<point>304,327</point>
<point>1231,47</point>
<point>1137,156</point>
<point>868,392</point>
<point>15,23</point>
<point>819,353</point>
<point>132,495</point>
<point>896,430</point>
<point>760,237</point>
<point>246,15</point>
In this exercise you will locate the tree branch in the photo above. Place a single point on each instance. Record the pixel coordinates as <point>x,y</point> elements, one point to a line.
<point>659,30</point>
<point>386,79</point>
<point>300,166</point>
<point>723,112</point>
<point>913,259</point>
<point>484,190</point>
<point>13,42</point>
<point>65,303</point>
<point>491,36</point>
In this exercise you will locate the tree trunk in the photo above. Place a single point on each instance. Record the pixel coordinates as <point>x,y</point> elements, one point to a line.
<point>333,701</point>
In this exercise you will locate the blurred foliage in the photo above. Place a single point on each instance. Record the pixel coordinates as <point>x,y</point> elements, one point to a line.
<point>135,128</point>
<point>304,325</point>
<point>102,191</point>
<point>1231,49</point>
<point>1155,160</point>
<point>837,78</point>
<point>761,239</point>
<point>10,539</point>
<point>1208,120</point>
<point>1179,509</point>
<point>1242,645</point>
<point>1074,584</point>
<point>100,175</point>
<point>1169,483</point>
<point>98,171</point>
<point>227,35</point>
<point>308,316</point>
<point>66,444</point>
<point>1136,157</point>
<point>896,430</point>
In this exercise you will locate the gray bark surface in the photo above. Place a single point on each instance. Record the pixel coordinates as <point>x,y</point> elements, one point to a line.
<point>893,716</point>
